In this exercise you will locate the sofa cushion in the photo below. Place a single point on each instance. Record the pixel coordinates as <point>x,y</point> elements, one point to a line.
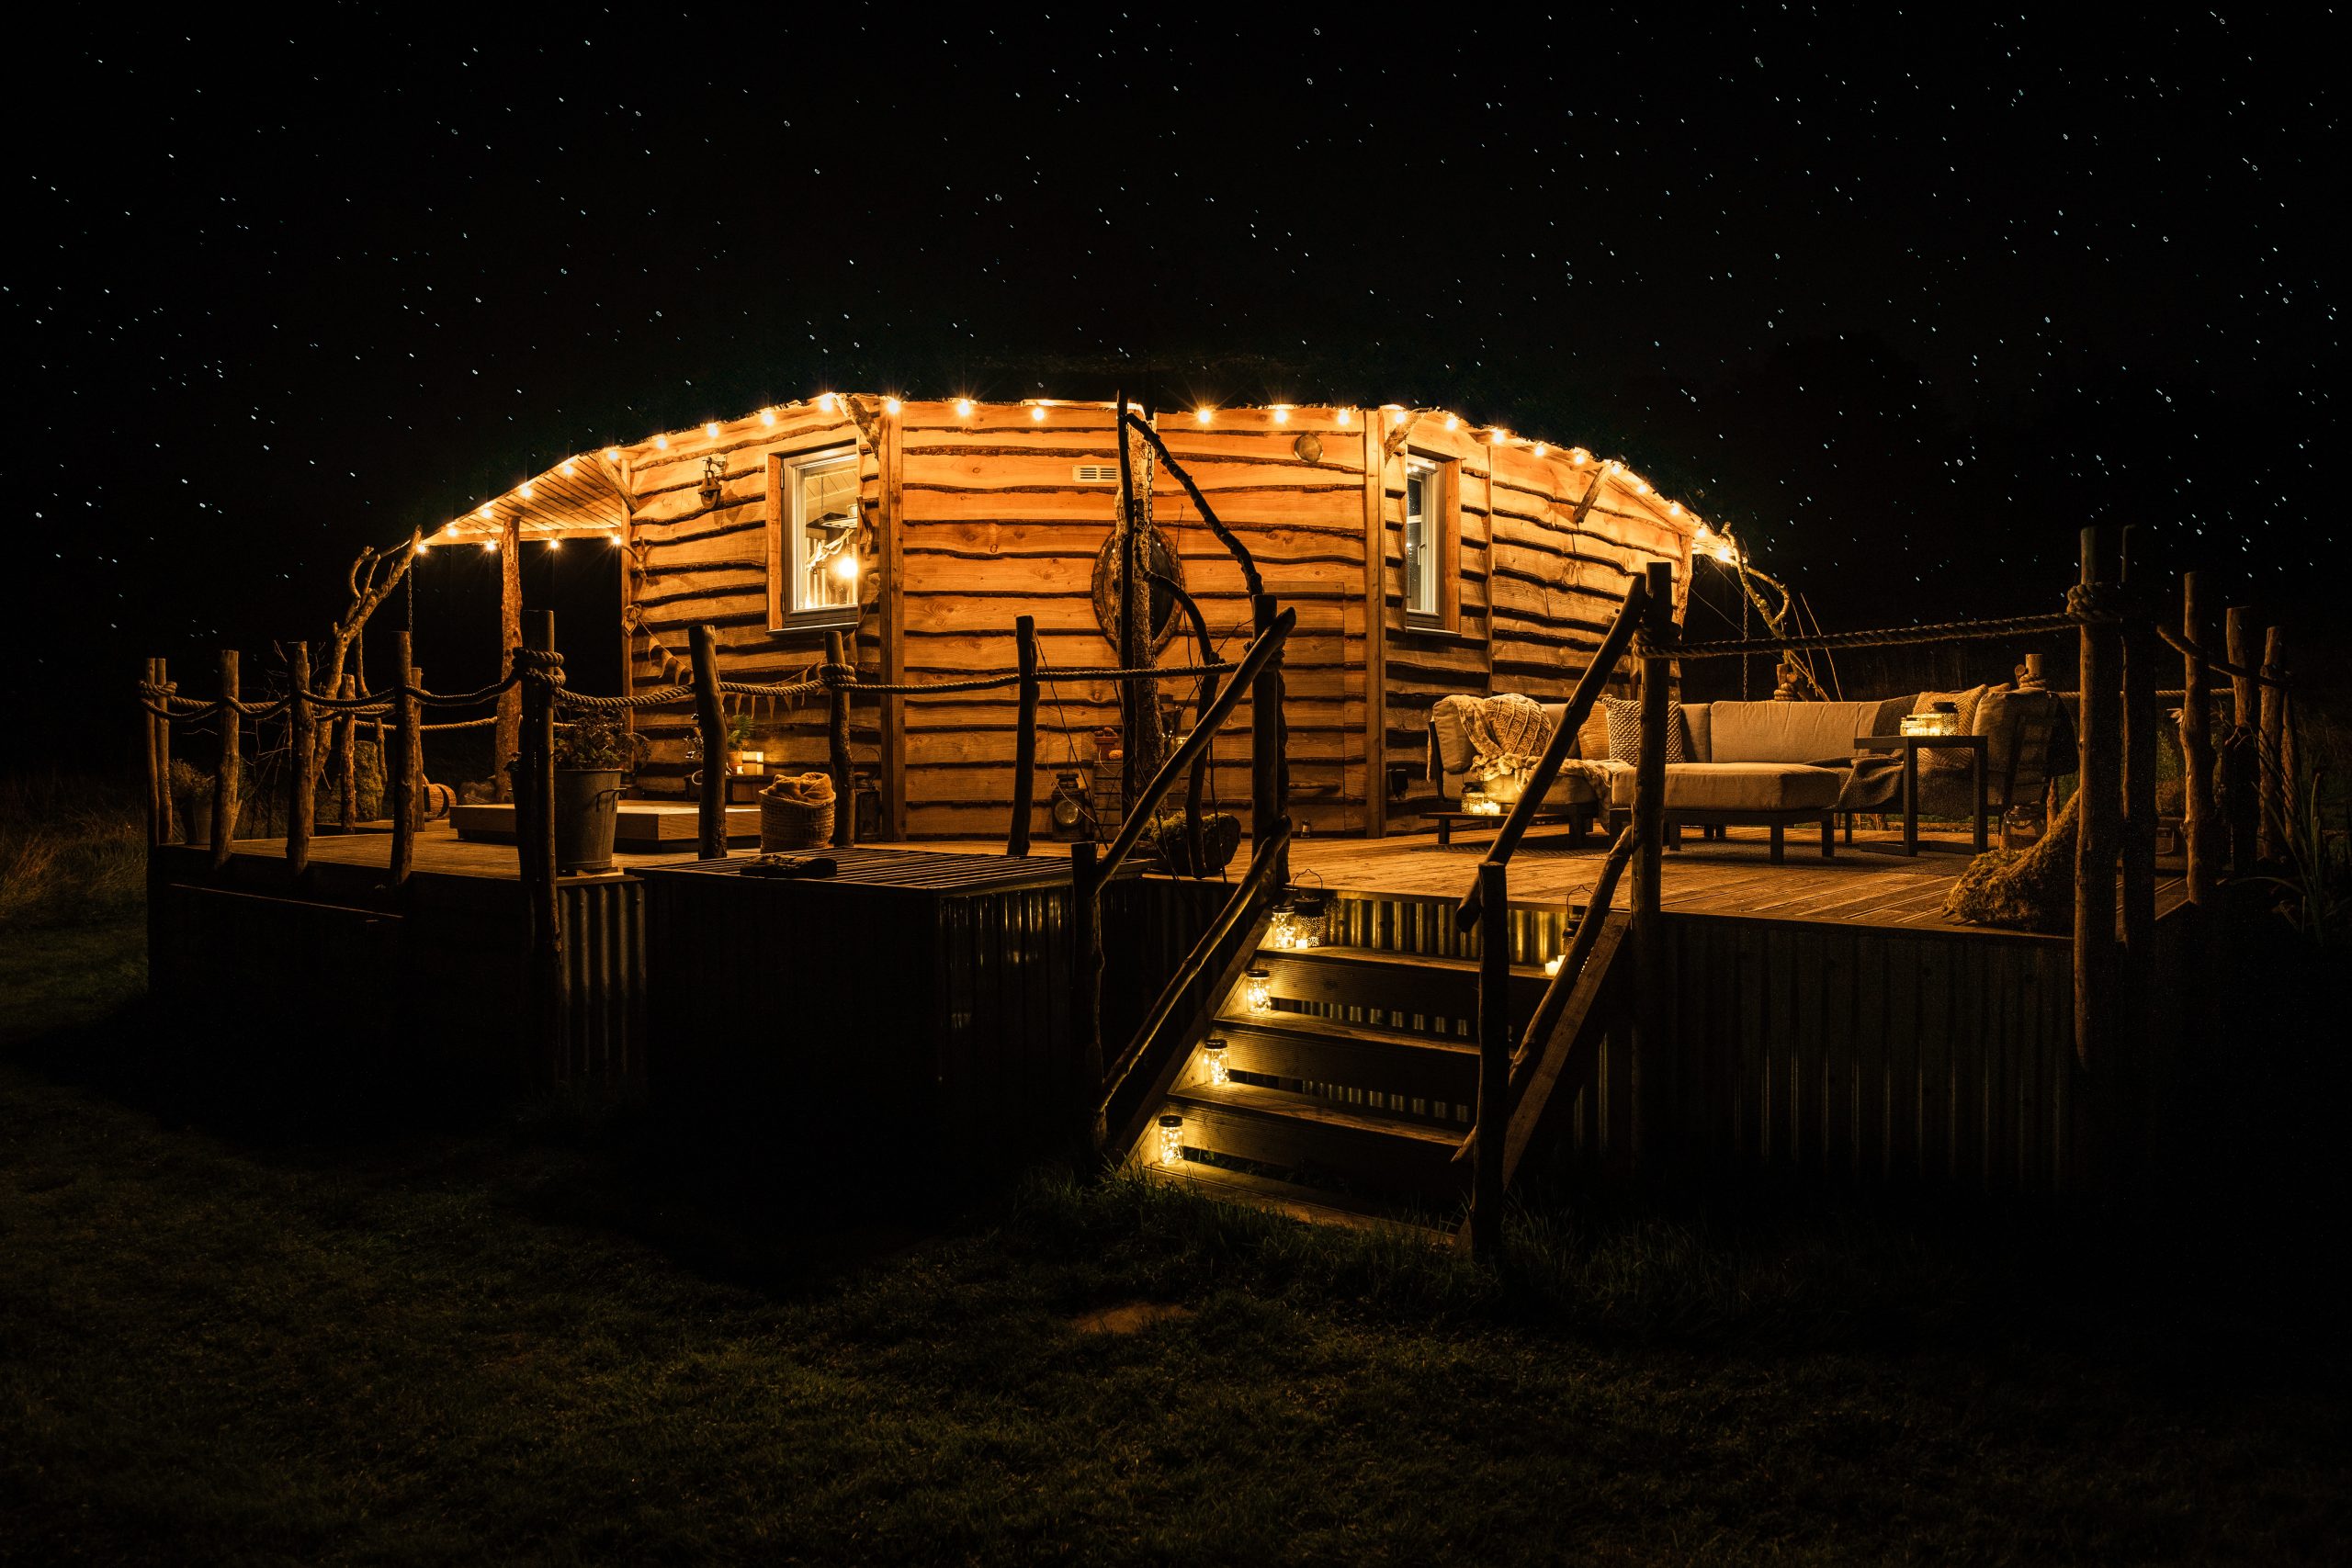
<point>1698,732</point>
<point>1625,730</point>
<point>1787,732</point>
<point>1734,786</point>
<point>1948,760</point>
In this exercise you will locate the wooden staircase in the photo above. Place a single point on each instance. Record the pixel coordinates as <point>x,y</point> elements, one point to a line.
<point>1346,1100</point>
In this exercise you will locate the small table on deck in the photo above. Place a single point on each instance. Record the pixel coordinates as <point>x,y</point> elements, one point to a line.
<point>1446,819</point>
<point>1911,746</point>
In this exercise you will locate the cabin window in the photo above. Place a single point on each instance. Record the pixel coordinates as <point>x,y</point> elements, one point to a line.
<point>813,526</point>
<point>1432,533</point>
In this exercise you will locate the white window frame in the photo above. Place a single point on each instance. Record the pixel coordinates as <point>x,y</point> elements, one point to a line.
<point>1425,598</point>
<point>793,613</point>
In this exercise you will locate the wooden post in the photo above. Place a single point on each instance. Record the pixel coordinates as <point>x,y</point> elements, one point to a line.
<point>302,776</point>
<point>2100,831</point>
<point>412,741</point>
<point>2278,789</point>
<point>1494,1061</point>
<point>346,751</point>
<point>509,728</point>
<point>1649,834</point>
<point>224,768</point>
<point>399,768</point>
<point>2245,705</point>
<point>2196,749</point>
<point>1268,770</point>
<point>712,722</point>
<point>2130,1082</point>
<point>1086,976</point>
<point>158,769</point>
<point>1134,624</point>
<point>837,741</point>
<point>535,842</point>
<point>170,808</point>
<point>1025,735</point>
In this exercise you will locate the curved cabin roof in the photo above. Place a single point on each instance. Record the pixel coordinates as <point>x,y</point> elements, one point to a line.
<point>592,495</point>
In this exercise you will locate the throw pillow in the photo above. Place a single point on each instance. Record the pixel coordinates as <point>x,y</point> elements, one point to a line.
<point>1625,729</point>
<point>1593,740</point>
<point>1949,758</point>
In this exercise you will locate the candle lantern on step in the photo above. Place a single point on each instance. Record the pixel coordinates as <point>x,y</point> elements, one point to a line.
<point>1213,1060</point>
<point>1258,991</point>
<point>1171,1139</point>
<point>1303,919</point>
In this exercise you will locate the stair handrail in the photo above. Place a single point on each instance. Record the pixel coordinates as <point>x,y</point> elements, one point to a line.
<point>1614,644</point>
<point>1088,873</point>
<point>1264,866</point>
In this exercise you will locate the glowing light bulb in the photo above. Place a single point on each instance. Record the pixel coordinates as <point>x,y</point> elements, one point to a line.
<point>846,568</point>
<point>662,441</point>
<point>1281,414</point>
<point>1037,413</point>
<point>1452,422</point>
<point>826,402</point>
<point>422,546</point>
<point>448,527</point>
<point>491,545</point>
<point>1344,416</point>
<point>1640,486</point>
<point>614,536</point>
<point>555,543</point>
<point>1541,449</point>
<point>525,490</point>
<point>484,513</point>
<point>964,408</point>
<point>612,454</point>
<point>711,430</point>
<point>1674,509</point>
<point>890,405</point>
<point>1579,456</point>
<point>1203,413</point>
<point>767,416</point>
<point>568,469</point>
<point>1395,417</point>
<point>1499,436</point>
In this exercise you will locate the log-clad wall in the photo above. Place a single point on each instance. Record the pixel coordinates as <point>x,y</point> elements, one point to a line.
<point>975,514</point>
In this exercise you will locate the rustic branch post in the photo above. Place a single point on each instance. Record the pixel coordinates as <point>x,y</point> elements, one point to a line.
<point>2100,836</point>
<point>1134,624</point>
<point>2278,789</point>
<point>346,757</point>
<point>535,838</point>
<point>711,818</point>
<point>159,765</point>
<point>302,776</point>
<point>837,678</point>
<point>2197,746</point>
<point>510,637</point>
<point>1494,1061</point>
<point>2139,843</point>
<point>1268,771</point>
<point>1025,734</point>
<point>1649,833</point>
<point>2243,764</point>
<point>401,773</point>
<point>225,767</point>
<point>412,741</point>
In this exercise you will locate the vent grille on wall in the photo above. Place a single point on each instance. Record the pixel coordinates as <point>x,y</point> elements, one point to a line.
<point>1095,473</point>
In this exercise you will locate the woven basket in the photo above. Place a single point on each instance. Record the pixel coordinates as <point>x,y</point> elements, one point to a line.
<point>789,824</point>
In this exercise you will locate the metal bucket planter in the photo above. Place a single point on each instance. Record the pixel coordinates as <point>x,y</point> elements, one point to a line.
<point>587,805</point>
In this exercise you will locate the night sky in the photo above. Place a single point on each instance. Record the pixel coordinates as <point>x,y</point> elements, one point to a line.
<point>1903,302</point>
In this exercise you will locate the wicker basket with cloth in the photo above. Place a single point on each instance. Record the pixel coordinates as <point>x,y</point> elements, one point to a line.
<point>796,812</point>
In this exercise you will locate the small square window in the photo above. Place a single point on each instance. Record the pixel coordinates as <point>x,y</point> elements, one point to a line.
<point>813,530</point>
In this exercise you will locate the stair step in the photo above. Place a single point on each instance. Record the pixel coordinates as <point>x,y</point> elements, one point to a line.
<point>1324,1050</point>
<point>1375,1153</point>
<point>1311,1205</point>
<point>1413,984</point>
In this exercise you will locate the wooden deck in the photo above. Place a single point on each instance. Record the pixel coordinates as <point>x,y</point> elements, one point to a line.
<point>1870,881</point>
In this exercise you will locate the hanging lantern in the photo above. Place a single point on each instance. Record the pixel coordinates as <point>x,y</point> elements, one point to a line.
<point>1310,913</point>
<point>1171,1139</point>
<point>1067,808</point>
<point>1258,991</point>
<point>1213,1059</point>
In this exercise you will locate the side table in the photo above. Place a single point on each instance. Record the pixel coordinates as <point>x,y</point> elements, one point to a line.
<point>1978,749</point>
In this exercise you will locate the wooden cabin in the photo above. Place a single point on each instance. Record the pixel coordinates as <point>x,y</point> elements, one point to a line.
<point>1425,555</point>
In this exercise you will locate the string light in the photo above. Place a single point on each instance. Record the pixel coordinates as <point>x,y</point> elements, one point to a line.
<point>890,405</point>
<point>1452,422</point>
<point>825,401</point>
<point>711,430</point>
<point>1282,413</point>
<point>568,469</point>
<point>612,454</point>
<point>964,408</point>
<point>525,492</point>
<point>663,442</point>
<point>491,545</point>
<point>1344,416</point>
<point>767,416</point>
<point>1395,418</point>
<point>484,513</point>
<point>1203,413</point>
<point>1037,413</point>
<point>1580,456</point>
<point>1499,436</point>
<point>556,543</point>
<point>1541,449</point>
<point>846,568</point>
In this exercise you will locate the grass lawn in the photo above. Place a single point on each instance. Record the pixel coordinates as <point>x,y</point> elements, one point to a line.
<point>529,1341</point>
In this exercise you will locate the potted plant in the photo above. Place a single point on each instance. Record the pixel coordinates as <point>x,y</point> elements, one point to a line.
<point>590,754</point>
<point>739,736</point>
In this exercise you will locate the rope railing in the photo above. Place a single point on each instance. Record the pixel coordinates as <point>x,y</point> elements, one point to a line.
<point>1897,636</point>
